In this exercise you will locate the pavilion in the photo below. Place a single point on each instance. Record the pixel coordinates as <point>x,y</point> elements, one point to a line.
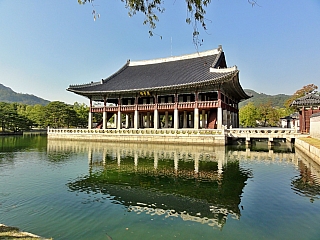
<point>196,91</point>
<point>307,105</point>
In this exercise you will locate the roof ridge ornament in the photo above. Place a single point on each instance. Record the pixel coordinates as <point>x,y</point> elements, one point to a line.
<point>177,58</point>
<point>223,70</point>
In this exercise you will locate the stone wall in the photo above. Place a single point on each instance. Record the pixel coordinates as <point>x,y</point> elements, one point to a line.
<point>190,137</point>
<point>315,125</point>
<point>311,151</point>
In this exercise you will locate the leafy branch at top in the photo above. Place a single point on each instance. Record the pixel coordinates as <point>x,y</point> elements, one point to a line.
<point>196,11</point>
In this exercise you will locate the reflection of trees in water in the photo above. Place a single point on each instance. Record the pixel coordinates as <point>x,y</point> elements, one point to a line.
<point>10,145</point>
<point>19,143</point>
<point>306,184</point>
<point>203,195</point>
<point>59,156</point>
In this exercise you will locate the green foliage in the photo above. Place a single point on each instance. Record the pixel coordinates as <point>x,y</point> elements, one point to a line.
<point>248,115</point>
<point>18,116</point>
<point>10,120</point>
<point>268,115</point>
<point>196,11</point>
<point>82,112</point>
<point>7,95</point>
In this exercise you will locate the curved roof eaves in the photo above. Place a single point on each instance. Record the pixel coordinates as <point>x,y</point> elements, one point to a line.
<point>157,75</point>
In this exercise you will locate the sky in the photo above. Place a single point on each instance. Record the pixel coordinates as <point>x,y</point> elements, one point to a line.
<point>45,46</point>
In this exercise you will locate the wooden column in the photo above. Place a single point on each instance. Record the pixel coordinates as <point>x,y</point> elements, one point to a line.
<point>90,116</point>
<point>136,114</point>
<point>176,113</point>
<point>104,117</point>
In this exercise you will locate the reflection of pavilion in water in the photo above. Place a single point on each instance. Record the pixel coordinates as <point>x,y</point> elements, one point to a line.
<point>193,183</point>
<point>202,184</point>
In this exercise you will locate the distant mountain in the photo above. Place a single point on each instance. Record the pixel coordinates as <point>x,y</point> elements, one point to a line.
<point>8,95</point>
<point>259,98</point>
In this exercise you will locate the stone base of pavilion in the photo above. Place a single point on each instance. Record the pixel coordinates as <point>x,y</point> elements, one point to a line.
<point>180,136</point>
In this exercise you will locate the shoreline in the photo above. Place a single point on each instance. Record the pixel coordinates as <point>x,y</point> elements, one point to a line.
<point>7,232</point>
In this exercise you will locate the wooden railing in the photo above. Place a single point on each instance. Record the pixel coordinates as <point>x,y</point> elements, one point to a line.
<point>186,105</point>
<point>146,107</point>
<point>160,106</point>
<point>208,104</point>
<point>166,106</point>
<point>125,108</point>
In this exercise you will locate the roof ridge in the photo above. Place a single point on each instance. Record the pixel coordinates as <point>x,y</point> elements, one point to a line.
<point>177,58</point>
<point>116,73</point>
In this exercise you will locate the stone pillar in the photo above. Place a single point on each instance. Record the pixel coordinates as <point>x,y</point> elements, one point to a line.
<point>148,120</point>
<point>127,120</point>
<point>136,119</point>
<point>270,141</point>
<point>196,118</point>
<point>192,120</point>
<point>185,119</point>
<point>156,119</point>
<point>219,118</point>
<point>166,124</point>
<point>131,119</point>
<point>115,120</point>
<point>90,120</point>
<point>203,123</point>
<point>119,124</point>
<point>176,118</point>
<point>248,142</point>
<point>104,120</point>
<point>237,119</point>
<point>225,117</point>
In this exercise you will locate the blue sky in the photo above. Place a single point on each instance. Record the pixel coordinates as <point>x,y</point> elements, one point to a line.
<point>47,45</point>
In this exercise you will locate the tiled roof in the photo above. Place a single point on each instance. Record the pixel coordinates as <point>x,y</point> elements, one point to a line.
<point>310,99</point>
<point>167,73</point>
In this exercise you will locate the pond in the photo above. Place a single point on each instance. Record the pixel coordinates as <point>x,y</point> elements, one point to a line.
<point>95,190</point>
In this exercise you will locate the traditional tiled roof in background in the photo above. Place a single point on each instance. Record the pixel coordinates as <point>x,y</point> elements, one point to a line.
<point>310,99</point>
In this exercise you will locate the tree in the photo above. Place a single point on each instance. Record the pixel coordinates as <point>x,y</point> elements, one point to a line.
<point>59,114</point>
<point>248,115</point>
<point>268,115</point>
<point>10,120</point>
<point>300,93</point>
<point>196,11</point>
<point>82,111</point>
<point>36,114</point>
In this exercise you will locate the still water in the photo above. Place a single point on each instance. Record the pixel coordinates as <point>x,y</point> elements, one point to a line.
<point>90,190</point>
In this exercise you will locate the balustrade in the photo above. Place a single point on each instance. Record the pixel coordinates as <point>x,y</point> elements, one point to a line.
<point>127,108</point>
<point>166,106</point>
<point>208,104</point>
<point>146,107</point>
<point>186,105</point>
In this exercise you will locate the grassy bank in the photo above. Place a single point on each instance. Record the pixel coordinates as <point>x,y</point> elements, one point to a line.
<point>312,141</point>
<point>7,232</point>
